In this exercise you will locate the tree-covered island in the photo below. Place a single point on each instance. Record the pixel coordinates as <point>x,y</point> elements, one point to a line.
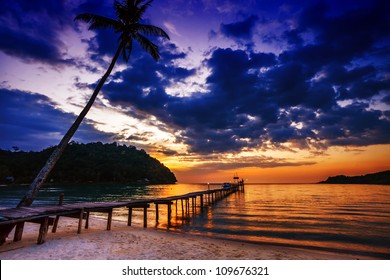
<point>86,163</point>
<point>379,178</point>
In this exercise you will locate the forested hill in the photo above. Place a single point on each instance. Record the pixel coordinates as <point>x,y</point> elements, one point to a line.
<point>379,178</point>
<point>86,163</point>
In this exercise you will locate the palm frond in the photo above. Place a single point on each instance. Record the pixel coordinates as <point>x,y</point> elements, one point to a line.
<point>127,49</point>
<point>119,10</point>
<point>151,30</point>
<point>129,14</point>
<point>141,10</point>
<point>96,21</point>
<point>136,2</point>
<point>129,8</point>
<point>148,46</point>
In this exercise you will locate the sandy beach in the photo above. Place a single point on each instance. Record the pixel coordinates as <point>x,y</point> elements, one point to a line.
<point>137,243</point>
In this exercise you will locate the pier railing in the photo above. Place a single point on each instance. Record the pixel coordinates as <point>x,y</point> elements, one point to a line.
<point>49,215</point>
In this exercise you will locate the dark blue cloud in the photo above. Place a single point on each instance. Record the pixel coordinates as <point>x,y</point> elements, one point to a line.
<point>354,125</point>
<point>28,47</point>
<point>386,99</point>
<point>293,37</point>
<point>242,30</point>
<point>30,30</point>
<point>350,34</point>
<point>263,60</point>
<point>256,97</point>
<point>355,31</point>
<point>31,122</point>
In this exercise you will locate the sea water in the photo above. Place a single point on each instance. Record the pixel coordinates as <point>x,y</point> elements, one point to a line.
<point>339,218</point>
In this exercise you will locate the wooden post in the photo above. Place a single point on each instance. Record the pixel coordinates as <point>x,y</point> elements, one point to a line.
<point>43,230</point>
<point>182,208</point>
<point>60,202</point>
<point>145,216</point>
<point>109,219</point>
<point>87,220</point>
<point>169,212</point>
<point>201,202</point>
<point>18,231</point>
<point>130,216</point>
<point>157,212</point>
<point>80,220</point>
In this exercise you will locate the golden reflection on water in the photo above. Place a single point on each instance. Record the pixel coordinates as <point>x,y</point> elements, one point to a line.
<point>209,220</point>
<point>334,216</point>
<point>342,217</point>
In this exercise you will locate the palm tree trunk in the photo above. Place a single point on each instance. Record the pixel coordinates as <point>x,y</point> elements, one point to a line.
<point>50,163</point>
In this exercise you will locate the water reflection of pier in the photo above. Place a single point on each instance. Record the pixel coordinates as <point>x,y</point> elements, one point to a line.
<point>49,215</point>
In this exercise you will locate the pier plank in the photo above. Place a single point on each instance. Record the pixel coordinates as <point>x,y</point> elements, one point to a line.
<point>44,215</point>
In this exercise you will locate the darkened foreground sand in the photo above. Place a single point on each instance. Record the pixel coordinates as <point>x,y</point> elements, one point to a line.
<point>123,242</point>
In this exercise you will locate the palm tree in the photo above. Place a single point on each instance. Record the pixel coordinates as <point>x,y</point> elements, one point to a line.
<point>128,24</point>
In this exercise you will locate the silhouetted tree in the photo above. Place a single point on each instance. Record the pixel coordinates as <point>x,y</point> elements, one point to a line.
<point>130,28</point>
<point>87,163</point>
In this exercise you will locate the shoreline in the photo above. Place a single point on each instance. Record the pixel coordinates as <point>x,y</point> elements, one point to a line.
<point>137,243</point>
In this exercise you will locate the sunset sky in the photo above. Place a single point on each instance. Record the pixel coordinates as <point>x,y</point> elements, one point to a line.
<point>276,91</point>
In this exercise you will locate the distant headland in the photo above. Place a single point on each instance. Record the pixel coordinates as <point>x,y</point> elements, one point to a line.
<point>86,163</point>
<point>379,178</point>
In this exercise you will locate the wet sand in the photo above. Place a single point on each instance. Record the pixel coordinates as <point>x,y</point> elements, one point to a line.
<point>137,243</point>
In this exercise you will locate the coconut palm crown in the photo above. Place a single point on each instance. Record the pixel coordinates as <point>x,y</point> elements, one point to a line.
<point>128,25</point>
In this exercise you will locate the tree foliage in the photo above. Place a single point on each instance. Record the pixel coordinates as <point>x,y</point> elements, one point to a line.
<point>87,163</point>
<point>380,178</point>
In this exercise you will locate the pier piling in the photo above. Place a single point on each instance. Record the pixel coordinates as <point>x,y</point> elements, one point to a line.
<point>49,215</point>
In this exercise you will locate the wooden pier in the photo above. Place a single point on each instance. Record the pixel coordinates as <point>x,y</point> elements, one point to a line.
<point>50,215</point>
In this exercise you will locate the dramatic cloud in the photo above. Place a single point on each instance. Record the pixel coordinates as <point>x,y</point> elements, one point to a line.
<point>291,76</point>
<point>256,97</point>
<point>31,30</point>
<point>242,30</point>
<point>31,121</point>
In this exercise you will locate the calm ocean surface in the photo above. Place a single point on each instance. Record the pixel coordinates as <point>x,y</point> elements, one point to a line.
<point>340,218</point>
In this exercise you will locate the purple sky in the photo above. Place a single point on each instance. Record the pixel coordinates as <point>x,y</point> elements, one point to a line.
<point>237,78</point>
